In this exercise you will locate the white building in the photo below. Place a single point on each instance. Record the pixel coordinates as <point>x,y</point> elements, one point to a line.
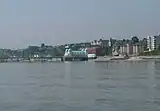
<point>121,50</point>
<point>131,49</point>
<point>153,42</point>
<point>127,49</point>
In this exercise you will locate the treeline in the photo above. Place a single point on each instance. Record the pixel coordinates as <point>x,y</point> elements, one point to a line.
<point>31,51</point>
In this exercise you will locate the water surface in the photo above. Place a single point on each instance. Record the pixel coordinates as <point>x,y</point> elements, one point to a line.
<point>80,86</point>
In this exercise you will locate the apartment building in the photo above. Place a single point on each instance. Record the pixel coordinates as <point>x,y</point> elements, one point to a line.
<point>131,49</point>
<point>153,42</point>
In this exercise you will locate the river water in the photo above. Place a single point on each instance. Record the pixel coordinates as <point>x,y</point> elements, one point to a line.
<point>80,86</point>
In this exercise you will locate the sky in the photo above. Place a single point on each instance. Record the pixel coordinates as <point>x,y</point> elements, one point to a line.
<point>53,22</point>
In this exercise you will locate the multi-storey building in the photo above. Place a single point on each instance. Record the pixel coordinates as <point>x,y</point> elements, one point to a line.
<point>131,49</point>
<point>153,42</point>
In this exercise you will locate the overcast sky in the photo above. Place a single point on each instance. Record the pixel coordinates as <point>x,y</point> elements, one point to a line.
<point>31,22</point>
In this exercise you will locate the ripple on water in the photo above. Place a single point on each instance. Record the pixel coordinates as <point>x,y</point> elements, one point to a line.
<point>94,87</point>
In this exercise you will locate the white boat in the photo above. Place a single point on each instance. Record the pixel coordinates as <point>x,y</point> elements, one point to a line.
<point>75,55</point>
<point>120,57</point>
<point>92,56</point>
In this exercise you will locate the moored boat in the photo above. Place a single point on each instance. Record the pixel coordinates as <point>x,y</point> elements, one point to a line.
<point>120,57</point>
<point>75,55</point>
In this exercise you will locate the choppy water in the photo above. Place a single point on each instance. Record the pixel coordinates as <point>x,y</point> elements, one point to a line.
<point>80,86</point>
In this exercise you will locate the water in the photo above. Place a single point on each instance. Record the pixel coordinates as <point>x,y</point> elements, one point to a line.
<point>80,86</point>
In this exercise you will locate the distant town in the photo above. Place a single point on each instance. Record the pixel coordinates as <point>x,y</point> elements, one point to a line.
<point>149,45</point>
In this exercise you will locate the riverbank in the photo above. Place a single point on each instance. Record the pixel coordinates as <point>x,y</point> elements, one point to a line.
<point>29,60</point>
<point>99,59</point>
<point>149,57</point>
<point>132,58</point>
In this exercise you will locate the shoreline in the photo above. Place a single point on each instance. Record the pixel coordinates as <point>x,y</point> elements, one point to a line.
<point>131,58</point>
<point>99,59</point>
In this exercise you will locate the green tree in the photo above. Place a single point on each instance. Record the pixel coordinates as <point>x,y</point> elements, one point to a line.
<point>135,39</point>
<point>42,45</point>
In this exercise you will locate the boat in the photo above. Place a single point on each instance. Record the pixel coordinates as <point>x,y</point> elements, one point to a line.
<point>120,57</point>
<point>92,56</point>
<point>102,59</point>
<point>75,55</point>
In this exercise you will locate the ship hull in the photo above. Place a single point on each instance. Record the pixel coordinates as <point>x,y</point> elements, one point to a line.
<point>75,58</point>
